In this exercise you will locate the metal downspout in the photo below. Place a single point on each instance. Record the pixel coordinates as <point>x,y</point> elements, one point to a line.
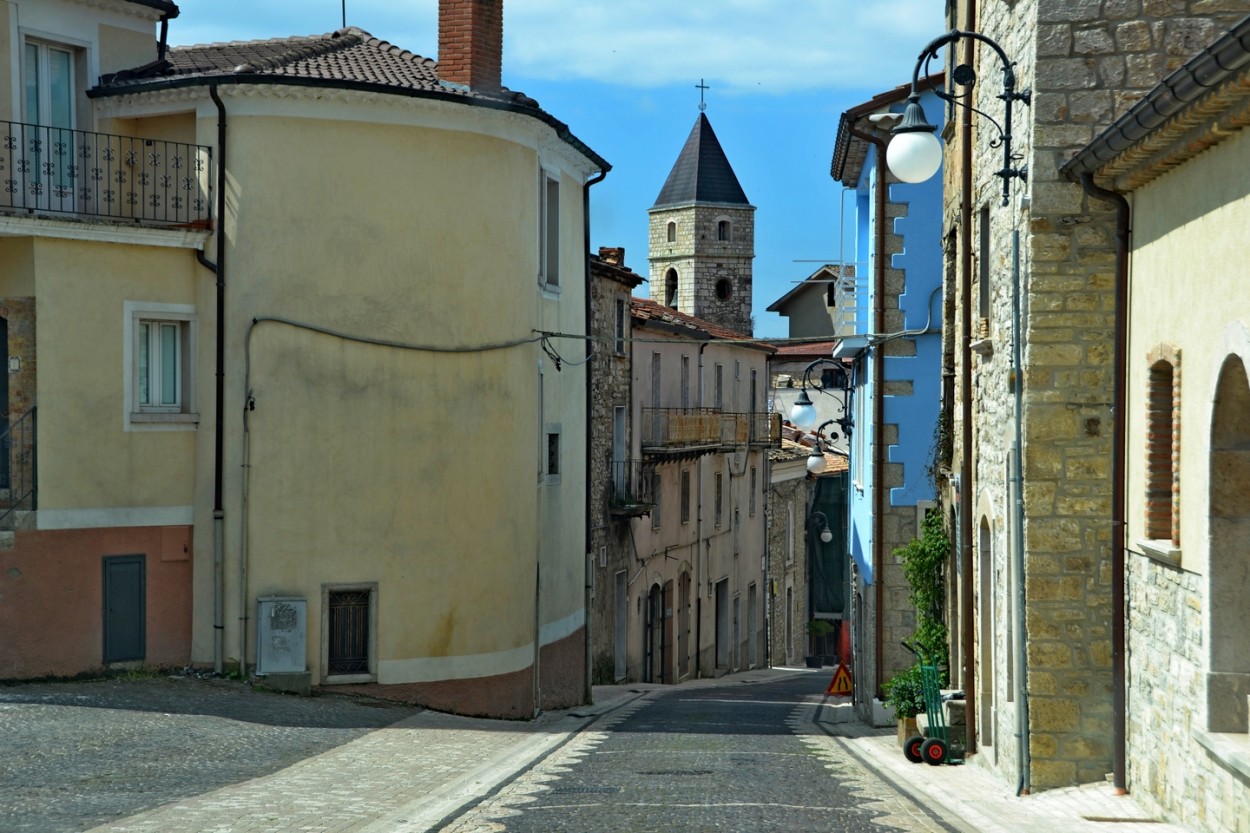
<point>965,385</point>
<point>1023,758</point>
<point>698,547</point>
<point>878,396</point>
<point>588,694</point>
<point>219,269</point>
<point>1119,435</point>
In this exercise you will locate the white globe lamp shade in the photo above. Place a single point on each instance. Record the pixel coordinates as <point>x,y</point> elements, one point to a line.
<point>915,153</point>
<point>803,414</point>
<point>914,156</point>
<point>816,462</point>
<point>826,535</point>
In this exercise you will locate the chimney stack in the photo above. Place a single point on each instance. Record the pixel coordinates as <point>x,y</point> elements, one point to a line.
<point>612,255</point>
<point>470,43</point>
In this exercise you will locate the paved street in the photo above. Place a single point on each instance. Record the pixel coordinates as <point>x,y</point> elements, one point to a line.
<point>745,758</point>
<point>761,750</point>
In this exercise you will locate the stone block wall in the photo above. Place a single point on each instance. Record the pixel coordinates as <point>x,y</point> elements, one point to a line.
<point>1086,62</point>
<point>787,574</point>
<point>610,387</point>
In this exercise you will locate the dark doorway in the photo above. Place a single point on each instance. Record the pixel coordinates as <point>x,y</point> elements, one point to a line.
<point>348,629</point>
<point>124,608</point>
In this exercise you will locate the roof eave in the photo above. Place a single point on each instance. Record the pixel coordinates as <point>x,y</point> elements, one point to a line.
<point>561,129</point>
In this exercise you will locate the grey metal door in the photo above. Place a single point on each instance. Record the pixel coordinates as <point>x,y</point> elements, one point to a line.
<point>124,608</point>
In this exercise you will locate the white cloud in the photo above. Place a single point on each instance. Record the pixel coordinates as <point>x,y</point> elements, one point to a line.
<point>781,45</point>
<point>737,45</point>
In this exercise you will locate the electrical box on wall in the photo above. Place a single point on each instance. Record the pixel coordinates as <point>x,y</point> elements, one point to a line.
<point>281,634</point>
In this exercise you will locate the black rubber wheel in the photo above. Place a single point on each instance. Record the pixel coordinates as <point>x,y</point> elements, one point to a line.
<point>911,749</point>
<point>934,751</point>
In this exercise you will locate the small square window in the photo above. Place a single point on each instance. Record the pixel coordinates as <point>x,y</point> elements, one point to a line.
<point>160,363</point>
<point>553,454</point>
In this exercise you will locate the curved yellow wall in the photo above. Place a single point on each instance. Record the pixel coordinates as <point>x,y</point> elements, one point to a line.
<point>414,470</point>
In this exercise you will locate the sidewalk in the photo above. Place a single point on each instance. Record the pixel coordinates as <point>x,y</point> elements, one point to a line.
<point>982,801</point>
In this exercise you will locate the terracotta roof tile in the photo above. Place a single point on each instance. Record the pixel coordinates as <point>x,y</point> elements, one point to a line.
<point>644,309</point>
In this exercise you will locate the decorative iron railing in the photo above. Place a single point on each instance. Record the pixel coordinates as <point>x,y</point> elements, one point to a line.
<point>61,171</point>
<point>631,483</point>
<point>18,468</point>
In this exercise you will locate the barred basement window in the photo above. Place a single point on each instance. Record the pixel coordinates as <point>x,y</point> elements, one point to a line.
<point>348,632</point>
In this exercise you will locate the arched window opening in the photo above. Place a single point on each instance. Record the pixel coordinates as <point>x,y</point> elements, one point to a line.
<point>672,232</point>
<point>724,231</point>
<point>724,289</point>
<point>670,288</point>
<point>1161,447</point>
<point>1229,519</point>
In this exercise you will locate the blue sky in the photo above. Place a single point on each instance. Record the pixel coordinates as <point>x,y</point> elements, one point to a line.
<point>622,75</point>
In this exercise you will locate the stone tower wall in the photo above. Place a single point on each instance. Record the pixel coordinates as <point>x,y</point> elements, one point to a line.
<point>703,261</point>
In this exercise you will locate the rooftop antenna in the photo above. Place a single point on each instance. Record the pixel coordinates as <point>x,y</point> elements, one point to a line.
<point>701,87</point>
<point>344,14</point>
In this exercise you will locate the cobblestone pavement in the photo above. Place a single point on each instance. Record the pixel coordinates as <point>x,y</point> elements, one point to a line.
<point>747,758</point>
<point>78,754</point>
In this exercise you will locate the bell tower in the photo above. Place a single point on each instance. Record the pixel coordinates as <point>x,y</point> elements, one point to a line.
<point>702,236</point>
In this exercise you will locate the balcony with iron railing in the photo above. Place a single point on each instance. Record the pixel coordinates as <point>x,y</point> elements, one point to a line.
<point>631,493</point>
<point>704,430</point>
<point>58,171</point>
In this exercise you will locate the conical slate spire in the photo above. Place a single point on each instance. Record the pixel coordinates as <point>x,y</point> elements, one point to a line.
<point>702,172</point>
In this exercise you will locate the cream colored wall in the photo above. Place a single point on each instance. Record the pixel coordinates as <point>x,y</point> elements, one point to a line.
<point>87,460</point>
<point>1189,279</point>
<point>412,469</point>
<point>126,48</point>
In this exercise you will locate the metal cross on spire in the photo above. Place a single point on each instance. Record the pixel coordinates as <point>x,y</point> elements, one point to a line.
<point>701,87</point>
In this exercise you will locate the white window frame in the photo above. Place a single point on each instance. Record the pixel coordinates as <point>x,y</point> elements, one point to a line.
<point>46,44</point>
<point>549,231</point>
<point>155,417</point>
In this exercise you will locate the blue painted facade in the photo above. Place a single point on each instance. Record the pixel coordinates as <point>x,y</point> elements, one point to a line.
<point>907,348</point>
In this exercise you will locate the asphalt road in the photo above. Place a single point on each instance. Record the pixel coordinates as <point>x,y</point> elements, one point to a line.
<point>747,758</point>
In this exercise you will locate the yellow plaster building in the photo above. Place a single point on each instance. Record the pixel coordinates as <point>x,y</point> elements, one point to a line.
<point>339,388</point>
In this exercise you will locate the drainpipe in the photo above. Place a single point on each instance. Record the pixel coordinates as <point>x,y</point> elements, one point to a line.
<point>878,397</point>
<point>219,269</point>
<point>1119,433</point>
<point>1023,759</point>
<point>699,546</point>
<point>588,694</point>
<point>965,385</point>
<point>162,45</point>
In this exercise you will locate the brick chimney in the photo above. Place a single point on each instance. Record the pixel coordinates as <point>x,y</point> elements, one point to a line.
<point>470,43</point>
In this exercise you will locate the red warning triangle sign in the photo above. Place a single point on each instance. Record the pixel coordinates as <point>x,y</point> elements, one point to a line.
<point>840,685</point>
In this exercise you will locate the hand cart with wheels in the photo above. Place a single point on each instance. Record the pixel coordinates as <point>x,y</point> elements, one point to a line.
<point>936,748</point>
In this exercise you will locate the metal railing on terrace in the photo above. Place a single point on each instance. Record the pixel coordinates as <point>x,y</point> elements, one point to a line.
<point>631,484</point>
<point>689,429</point>
<point>60,171</point>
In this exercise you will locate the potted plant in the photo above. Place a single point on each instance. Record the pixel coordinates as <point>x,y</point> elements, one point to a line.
<point>818,630</point>
<point>905,695</point>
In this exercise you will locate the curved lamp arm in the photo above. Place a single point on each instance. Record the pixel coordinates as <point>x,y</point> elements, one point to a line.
<point>914,154</point>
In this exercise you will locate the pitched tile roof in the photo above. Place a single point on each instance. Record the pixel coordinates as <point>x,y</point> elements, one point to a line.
<point>167,8</point>
<point>349,58</point>
<point>345,55</point>
<point>702,172</point>
<point>644,310</point>
<point>815,349</point>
